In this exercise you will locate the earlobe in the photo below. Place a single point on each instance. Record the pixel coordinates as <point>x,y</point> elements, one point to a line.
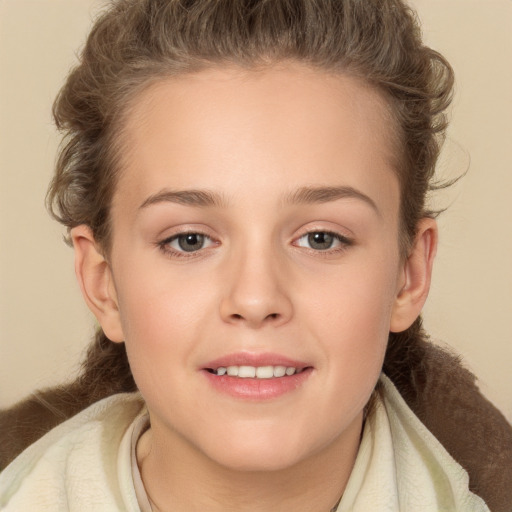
<point>95,279</point>
<point>416,277</point>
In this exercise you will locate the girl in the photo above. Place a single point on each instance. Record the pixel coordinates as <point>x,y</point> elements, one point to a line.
<point>244,185</point>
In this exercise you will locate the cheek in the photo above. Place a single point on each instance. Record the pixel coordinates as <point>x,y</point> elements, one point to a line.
<point>153,294</point>
<point>162,323</point>
<point>356,298</point>
<point>162,313</point>
<point>349,310</point>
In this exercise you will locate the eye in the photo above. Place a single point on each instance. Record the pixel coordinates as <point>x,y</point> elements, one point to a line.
<point>323,241</point>
<point>186,242</point>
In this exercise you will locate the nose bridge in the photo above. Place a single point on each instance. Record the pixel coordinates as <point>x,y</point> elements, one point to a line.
<point>256,291</point>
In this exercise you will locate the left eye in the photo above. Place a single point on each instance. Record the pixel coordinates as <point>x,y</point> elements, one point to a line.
<point>321,240</point>
<point>188,242</point>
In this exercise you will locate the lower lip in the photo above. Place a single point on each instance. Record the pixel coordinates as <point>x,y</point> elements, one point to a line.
<point>257,389</point>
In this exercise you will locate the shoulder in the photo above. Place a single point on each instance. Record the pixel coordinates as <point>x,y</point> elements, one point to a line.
<point>420,460</point>
<point>445,396</point>
<point>401,466</point>
<point>469,426</point>
<point>75,462</point>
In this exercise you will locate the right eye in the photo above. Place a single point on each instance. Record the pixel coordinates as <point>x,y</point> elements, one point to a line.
<point>186,243</point>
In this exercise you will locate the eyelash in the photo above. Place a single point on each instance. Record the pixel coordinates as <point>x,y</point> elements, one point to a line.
<point>164,245</point>
<point>344,242</point>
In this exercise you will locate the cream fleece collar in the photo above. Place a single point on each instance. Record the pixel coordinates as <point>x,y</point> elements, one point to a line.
<point>401,466</point>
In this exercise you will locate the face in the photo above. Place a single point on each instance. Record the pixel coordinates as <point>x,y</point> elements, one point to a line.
<point>255,232</point>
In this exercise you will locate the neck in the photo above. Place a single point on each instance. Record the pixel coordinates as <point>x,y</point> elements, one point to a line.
<point>177,478</point>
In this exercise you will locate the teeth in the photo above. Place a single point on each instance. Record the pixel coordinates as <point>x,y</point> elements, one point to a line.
<point>258,372</point>
<point>246,372</point>
<point>264,372</point>
<point>279,371</point>
<point>233,371</point>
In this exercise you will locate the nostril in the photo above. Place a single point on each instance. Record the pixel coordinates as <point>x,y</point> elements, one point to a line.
<point>271,316</point>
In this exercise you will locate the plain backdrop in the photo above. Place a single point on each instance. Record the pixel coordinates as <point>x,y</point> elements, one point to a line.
<point>44,325</point>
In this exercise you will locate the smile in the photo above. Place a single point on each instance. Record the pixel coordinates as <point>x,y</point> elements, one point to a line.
<point>256,376</point>
<point>256,372</point>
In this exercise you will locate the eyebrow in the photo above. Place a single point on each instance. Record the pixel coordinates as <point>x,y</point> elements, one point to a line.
<point>198,198</point>
<point>303,195</point>
<point>312,195</point>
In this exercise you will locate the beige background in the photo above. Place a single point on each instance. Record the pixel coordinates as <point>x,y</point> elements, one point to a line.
<point>44,326</point>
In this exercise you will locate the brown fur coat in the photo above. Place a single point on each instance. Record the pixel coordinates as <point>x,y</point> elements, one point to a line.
<point>441,392</point>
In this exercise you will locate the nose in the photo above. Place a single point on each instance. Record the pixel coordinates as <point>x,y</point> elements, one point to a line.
<point>257,291</point>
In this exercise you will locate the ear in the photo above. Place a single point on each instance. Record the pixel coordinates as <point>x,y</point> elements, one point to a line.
<point>95,279</point>
<point>415,277</point>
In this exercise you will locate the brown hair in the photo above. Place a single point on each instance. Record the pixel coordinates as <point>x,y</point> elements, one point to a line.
<point>137,42</point>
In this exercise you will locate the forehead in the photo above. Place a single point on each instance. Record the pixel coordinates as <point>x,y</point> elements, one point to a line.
<point>233,127</point>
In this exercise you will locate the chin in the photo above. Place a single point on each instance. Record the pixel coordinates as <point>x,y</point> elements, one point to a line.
<point>256,463</point>
<point>251,453</point>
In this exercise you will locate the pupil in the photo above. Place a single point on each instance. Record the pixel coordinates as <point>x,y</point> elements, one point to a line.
<point>320,241</point>
<point>191,242</point>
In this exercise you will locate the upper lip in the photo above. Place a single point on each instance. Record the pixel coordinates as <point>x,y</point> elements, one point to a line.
<point>256,360</point>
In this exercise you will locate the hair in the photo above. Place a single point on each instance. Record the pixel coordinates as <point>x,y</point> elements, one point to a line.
<point>135,43</point>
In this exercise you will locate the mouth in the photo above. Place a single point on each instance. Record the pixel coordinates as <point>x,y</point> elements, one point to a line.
<point>259,377</point>
<point>257,372</point>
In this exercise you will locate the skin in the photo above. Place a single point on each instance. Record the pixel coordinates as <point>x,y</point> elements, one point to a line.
<point>255,139</point>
